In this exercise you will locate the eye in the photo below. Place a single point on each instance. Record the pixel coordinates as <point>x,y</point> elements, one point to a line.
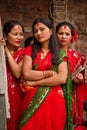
<point>42,29</point>
<point>67,34</point>
<point>21,34</point>
<point>60,33</point>
<point>15,34</point>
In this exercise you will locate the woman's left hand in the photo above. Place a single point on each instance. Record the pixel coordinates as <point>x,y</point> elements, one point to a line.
<point>79,78</point>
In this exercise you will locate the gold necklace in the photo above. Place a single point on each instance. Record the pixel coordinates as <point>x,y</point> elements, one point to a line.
<point>12,52</point>
<point>44,54</point>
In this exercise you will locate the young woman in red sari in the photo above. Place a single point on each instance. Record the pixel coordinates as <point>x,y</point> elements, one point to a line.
<point>66,35</point>
<point>44,104</point>
<point>13,33</point>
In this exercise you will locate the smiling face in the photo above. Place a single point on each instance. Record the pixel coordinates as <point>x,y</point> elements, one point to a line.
<point>42,33</point>
<point>15,36</point>
<point>64,36</point>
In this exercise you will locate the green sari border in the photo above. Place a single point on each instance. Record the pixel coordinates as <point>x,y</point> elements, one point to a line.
<point>40,95</point>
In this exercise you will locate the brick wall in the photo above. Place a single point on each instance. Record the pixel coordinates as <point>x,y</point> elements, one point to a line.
<point>23,10</point>
<point>74,11</point>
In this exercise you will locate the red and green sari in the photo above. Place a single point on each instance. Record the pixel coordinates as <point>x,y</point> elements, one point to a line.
<point>43,107</point>
<point>14,93</point>
<point>76,63</point>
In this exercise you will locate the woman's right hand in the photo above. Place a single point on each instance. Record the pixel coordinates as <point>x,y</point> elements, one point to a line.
<point>3,41</point>
<point>48,73</point>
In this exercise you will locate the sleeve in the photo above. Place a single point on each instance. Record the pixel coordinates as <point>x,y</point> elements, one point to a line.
<point>28,51</point>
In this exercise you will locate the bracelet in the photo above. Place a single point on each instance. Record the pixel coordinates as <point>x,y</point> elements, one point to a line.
<point>34,83</point>
<point>8,56</point>
<point>46,75</point>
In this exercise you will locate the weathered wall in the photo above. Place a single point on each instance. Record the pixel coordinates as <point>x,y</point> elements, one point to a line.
<point>23,10</point>
<point>74,11</point>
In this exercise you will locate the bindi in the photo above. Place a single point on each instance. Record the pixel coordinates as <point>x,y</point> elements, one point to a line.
<point>38,24</point>
<point>19,27</point>
<point>65,27</point>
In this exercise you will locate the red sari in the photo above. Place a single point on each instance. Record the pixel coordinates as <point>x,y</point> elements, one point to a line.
<point>14,94</point>
<point>51,113</point>
<point>75,60</point>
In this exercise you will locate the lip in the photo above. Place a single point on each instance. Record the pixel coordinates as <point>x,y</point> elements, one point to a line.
<point>18,42</point>
<point>63,41</point>
<point>40,37</point>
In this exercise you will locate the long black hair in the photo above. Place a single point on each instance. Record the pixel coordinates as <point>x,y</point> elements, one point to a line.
<point>53,46</point>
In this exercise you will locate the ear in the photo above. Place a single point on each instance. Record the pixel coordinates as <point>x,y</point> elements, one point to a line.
<point>5,37</point>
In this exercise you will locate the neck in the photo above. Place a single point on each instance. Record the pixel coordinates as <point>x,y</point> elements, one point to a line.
<point>12,49</point>
<point>45,47</point>
<point>64,48</point>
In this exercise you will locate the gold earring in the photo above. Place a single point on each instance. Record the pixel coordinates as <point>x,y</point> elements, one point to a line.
<point>5,38</point>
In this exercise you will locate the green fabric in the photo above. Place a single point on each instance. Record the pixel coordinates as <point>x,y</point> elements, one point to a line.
<point>62,55</point>
<point>67,88</point>
<point>38,98</point>
<point>40,95</point>
<point>68,97</point>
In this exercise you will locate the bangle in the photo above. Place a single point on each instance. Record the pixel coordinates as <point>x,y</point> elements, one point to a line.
<point>8,56</point>
<point>34,83</point>
<point>46,75</point>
